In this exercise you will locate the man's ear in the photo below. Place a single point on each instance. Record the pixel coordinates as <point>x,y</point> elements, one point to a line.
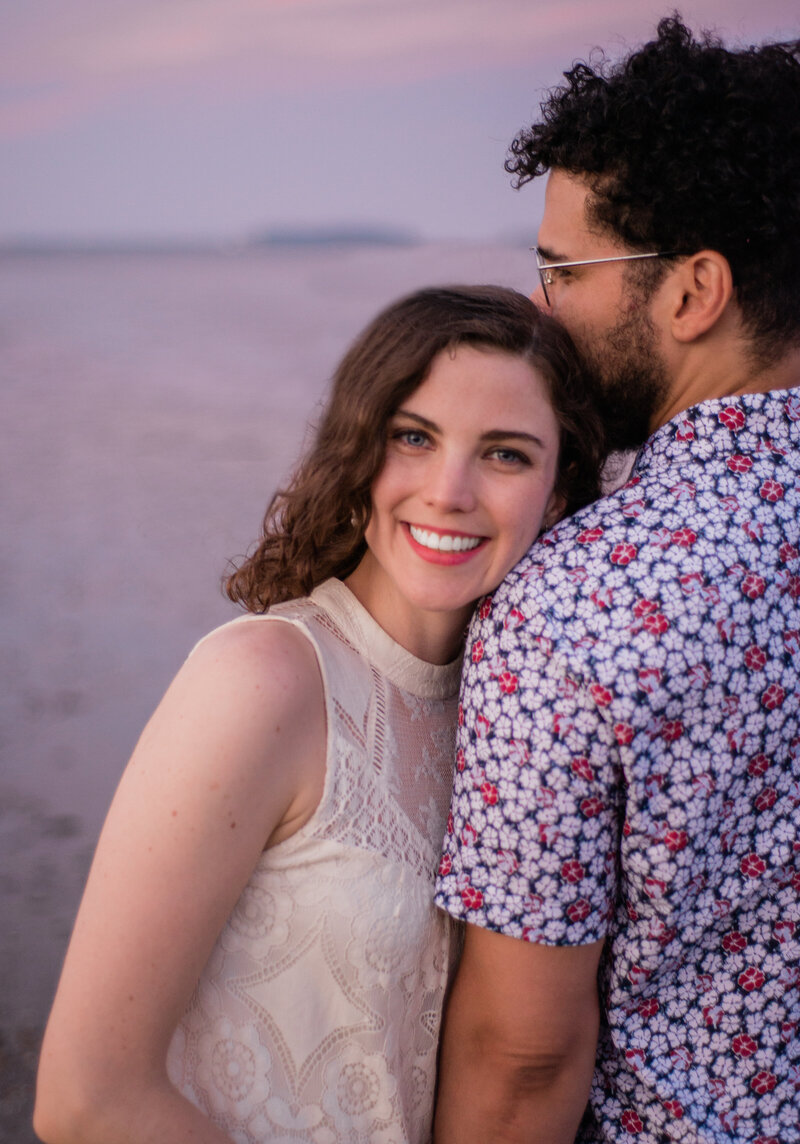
<point>701,289</point>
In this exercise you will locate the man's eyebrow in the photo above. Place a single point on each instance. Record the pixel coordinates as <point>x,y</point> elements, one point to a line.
<point>550,255</point>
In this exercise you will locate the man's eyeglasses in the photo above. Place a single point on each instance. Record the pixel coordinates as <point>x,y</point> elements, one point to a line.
<point>547,278</point>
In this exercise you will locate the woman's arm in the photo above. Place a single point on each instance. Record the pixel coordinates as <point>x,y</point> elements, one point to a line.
<point>519,1043</point>
<point>233,758</point>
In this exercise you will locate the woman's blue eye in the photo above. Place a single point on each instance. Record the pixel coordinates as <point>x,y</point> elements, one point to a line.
<point>510,456</point>
<point>413,437</point>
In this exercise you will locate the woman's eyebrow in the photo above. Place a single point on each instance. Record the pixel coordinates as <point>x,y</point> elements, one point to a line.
<point>421,420</point>
<point>513,435</point>
<point>491,436</point>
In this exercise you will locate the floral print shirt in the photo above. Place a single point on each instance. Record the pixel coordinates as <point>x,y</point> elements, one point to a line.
<point>628,768</point>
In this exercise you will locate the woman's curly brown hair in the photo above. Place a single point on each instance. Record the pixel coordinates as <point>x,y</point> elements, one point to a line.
<point>314,528</point>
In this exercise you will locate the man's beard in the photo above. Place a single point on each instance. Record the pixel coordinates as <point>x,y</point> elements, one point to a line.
<point>632,378</point>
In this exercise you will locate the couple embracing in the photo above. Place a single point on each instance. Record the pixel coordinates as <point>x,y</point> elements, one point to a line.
<point>257,956</point>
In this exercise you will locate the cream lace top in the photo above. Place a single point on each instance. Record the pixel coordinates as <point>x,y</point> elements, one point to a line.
<point>317,1016</point>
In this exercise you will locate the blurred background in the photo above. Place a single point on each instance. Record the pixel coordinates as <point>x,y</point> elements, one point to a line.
<point>201,203</point>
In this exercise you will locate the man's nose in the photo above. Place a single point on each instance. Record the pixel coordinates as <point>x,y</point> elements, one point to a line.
<point>538,298</point>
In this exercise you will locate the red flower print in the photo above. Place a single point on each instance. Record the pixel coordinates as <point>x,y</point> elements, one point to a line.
<point>578,911</point>
<point>632,508</point>
<point>766,1140</point>
<point>580,767</point>
<point>656,624</point>
<point>461,715</point>
<point>752,866</point>
<point>765,799</point>
<point>712,1015</point>
<point>788,1031</point>
<point>763,1082</point>
<point>482,726</point>
<point>623,733</point>
<point>513,619</point>
<point>784,931</point>
<point>754,529</point>
<point>637,975</point>
<point>792,407</point>
<point>589,535</point>
<point>461,762</point>
<point>730,504</point>
<point>753,586</point>
<point>591,806</point>
<point>685,431</point>
<point>649,678</point>
<point>755,658</point>
<point>716,1086</point>
<point>684,537</point>
<point>681,1057</point>
<point>729,1121</point>
<point>699,675</point>
<point>572,871</point>
<point>750,979</point>
<point>446,865</point>
<point>684,490</point>
<point>507,861</point>
<point>704,784</point>
<point>469,835</point>
<point>654,887</point>
<point>674,1108</point>
<point>758,765</point>
<point>472,898</point>
<point>477,651</point>
<point>601,695</point>
<point>773,696</point>
<point>671,730</point>
<point>548,834</point>
<point>721,908</point>
<point>743,1045</point>
<point>635,1058</point>
<point>622,554</point>
<point>450,822</point>
<point>726,629</point>
<point>631,1122</point>
<point>739,463</point>
<point>508,683</point>
<point>734,942</point>
<point>788,552</point>
<point>489,794</point>
<point>771,491</point>
<point>644,607</point>
<point>518,752</point>
<point>676,840</point>
<point>732,419</point>
<point>485,607</point>
<point>648,1008</point>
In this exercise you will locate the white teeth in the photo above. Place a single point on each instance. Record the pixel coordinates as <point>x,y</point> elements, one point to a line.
<point>443,541</point>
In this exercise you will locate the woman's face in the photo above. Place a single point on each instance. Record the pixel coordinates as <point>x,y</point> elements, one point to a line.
<point>466,484</point>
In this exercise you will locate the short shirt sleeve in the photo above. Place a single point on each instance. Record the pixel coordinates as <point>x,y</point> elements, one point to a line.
<point>532,838</point>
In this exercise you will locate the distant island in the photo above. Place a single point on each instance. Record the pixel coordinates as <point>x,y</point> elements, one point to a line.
<point>294,236</point>
<point>333,236</point>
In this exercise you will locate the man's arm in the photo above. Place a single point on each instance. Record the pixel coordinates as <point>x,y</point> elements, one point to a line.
<point>520,1037</point>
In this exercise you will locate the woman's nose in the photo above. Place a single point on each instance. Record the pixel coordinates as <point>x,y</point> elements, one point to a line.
<point>451,485</point>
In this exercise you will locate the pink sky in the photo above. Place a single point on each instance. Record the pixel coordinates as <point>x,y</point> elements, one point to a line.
<point>191,117</point>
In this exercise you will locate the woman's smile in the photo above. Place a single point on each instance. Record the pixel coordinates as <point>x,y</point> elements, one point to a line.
<point>442,547</point>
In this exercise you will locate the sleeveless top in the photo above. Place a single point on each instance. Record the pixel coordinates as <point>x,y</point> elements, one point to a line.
<point>317,1016</point>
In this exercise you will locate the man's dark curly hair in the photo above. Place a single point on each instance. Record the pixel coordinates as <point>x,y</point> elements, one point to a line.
<point>688,145</point>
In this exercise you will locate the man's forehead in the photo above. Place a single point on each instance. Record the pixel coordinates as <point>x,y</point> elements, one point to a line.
<point>565,232</point>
